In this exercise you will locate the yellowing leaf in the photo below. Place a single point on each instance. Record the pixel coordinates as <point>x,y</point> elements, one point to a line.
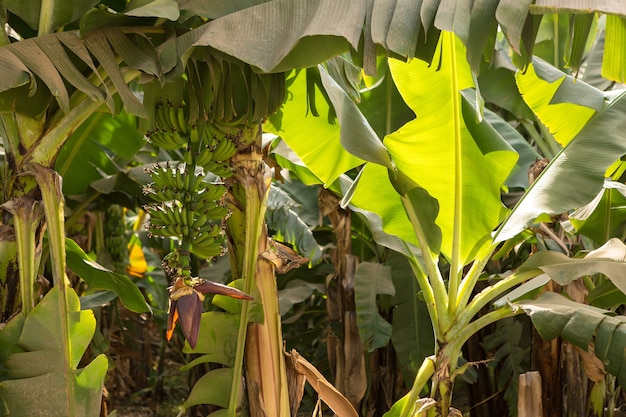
<point>138,265</point>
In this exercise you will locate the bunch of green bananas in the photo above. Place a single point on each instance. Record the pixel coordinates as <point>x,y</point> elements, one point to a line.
<point>115,240</point>
<point>186,206</point>
<point>233,94</point>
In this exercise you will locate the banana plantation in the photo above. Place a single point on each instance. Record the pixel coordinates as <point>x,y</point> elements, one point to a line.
<point>281,208</point>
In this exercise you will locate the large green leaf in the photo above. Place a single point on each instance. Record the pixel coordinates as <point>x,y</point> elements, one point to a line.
<point>39,381</point>
<point>613,67</point>
<point>283,218</point>
<point>585,6</point>
<point>554,315</point>
<point>316,31</point>
<point>217,8</point>
<point>438,152</point>
<point>212,388</point>
<point>153,8</point>
<point>575,176</point>
<point>527,154</point>
<point>372,279</point>
<point>48,57</point>
<point>216,339</point>
<point>375,194</point>
<point>297,119</point>
<point>357,136</point>
<point>98,277</point>
<point>511,15</point>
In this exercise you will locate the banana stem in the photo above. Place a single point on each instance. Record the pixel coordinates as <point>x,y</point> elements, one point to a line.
<point>27,214</point>
<point>423,375</point>
<point>254,210</point>
<point>52,195</point>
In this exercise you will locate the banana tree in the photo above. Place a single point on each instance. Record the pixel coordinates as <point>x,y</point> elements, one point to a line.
<point>132,42</point>
<point>117,47</point>
<point>436,184</point>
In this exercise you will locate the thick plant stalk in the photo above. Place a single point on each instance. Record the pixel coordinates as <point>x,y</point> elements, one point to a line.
<point>52,195</point>
<point>27,214</point>
<point>346,351</point>
<point>266,377</point>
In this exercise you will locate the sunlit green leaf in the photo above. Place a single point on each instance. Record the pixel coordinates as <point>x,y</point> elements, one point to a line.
<point>322,153</point>
<point>99,146</point>
<point>604,216</point>
<point>613,64</point>
<point>357,136</point>
<point>438,152</point>
<point>563,119</point>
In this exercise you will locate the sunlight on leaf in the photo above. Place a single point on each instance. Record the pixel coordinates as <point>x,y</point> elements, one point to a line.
<point>563,119</point>
<point>294,122</point>
<point>576,175</point>
<point>438,152</point>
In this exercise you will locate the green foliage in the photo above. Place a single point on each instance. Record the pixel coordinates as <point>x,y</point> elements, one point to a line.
<point>283,217</point>
<point>371,279</point>
<point>511,343</point>
<point>554,315</point>
<point>98,277</point>
<point>38,360</point>
<point>412,336</point>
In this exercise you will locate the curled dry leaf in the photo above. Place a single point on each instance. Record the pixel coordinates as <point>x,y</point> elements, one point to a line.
<point>327,392</point>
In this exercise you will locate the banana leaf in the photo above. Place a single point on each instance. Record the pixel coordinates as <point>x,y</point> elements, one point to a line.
<point>442,155</point>
<point>590,328</point>
<point>372,279</point>
<point>576,174</point>
<point>98,277</point>
<point>38,362</point>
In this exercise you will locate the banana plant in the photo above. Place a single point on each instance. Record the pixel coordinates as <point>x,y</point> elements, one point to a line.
<point>119,45</point>
<point>436,182</point>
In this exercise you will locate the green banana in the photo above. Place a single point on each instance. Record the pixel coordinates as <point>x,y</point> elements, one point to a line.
<point>224,150</point>
<point>207,249</point>
<point>212,192</point>
<point>222,170</point>
<point>181,120</point>
<point>205,156</point>
<point>216,212</point>
<point>161,116</point>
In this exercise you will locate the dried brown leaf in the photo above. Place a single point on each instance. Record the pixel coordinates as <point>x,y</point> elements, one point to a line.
<point>327,392</point>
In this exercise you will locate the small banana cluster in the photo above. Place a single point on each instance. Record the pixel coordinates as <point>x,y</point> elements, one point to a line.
<point>186,206</point>
<point>115,240</point>
<point>170,126</point>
